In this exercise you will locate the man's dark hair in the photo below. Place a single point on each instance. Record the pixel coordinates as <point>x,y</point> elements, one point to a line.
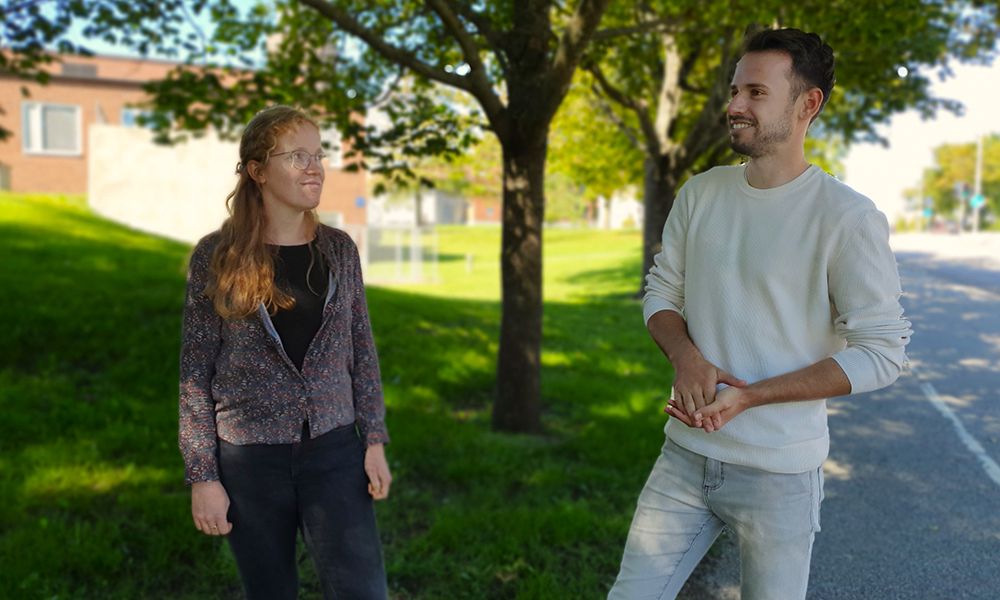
<point>812,60</point>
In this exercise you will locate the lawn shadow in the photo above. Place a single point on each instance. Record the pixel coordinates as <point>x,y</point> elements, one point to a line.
<point>89,345</point>
<point>623,280</point>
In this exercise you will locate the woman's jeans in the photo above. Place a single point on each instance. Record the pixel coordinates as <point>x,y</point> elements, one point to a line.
<point>318,487</point>
<point>687,501</point>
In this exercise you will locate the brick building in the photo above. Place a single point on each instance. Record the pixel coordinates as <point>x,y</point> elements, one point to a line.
<point>48,151</point>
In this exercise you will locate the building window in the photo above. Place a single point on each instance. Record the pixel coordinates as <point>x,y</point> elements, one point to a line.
<point>130,117</point>
<point>51,129</point>
<point>333,147</point>
<point>79,70</point>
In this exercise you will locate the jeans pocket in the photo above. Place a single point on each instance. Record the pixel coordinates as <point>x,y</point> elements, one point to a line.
<point>816,482</point>
<point>822,484</point>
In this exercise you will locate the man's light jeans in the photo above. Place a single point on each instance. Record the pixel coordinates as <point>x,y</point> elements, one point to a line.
<point>687,501</point>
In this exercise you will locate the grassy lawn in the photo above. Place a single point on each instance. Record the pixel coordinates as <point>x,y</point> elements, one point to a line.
<point>92,500</point>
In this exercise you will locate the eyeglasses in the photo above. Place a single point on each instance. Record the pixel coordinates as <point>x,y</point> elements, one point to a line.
<point>301,158</point>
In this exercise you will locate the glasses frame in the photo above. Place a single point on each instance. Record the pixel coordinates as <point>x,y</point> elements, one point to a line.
<point>312,157</point>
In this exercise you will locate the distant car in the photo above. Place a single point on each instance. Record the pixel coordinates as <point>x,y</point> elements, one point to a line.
<point>945,226</point>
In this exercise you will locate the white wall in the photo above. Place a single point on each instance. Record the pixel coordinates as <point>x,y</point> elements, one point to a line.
<point>178,191</point>
<point>619,210</point>
<point>384,211</point>
<point>436,208</point>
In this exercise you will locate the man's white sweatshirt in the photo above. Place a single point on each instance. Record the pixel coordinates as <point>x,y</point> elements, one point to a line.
<point>771,281</point>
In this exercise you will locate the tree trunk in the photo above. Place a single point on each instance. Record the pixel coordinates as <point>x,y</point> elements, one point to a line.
<point>519,390</point>
<point>659,189</point>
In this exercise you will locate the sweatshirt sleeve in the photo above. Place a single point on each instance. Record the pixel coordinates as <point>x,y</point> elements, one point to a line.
<point>366,380</point>
<point>665,281</point>
<point>865,291</point>
<point>200,344</point>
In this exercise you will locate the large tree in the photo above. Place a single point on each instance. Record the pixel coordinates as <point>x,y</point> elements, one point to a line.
<point>516,58</point>
<point>955,164</point>
<point>666,84</point>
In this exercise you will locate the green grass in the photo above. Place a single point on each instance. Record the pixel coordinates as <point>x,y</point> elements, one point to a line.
<point>92,500</point>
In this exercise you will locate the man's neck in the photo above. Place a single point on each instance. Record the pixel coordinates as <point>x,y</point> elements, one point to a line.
<point>775,170</point>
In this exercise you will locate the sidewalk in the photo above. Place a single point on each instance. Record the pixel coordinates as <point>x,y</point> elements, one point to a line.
<point>983,249</point>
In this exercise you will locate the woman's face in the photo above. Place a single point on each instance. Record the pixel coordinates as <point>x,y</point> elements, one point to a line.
<point>286,188</point>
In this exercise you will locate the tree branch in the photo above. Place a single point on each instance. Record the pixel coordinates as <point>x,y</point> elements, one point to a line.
<point>577,34</point>
<point>712,124</point>
<point>484,26</point>
<point>639,107</point>
<point>394,53</point>
<point>201,34</point>
<point>17,8</point>
<point>403,21</point>
<point>480,83</point>
<point>617,119</point>
<point>722,154</point>
<point>382,99</point>
<point>659,25</point>
<point>606,86</point>
<point>669,97</point>
<point>687,65</point>
<point>470,51</point>
<point>482,22</point>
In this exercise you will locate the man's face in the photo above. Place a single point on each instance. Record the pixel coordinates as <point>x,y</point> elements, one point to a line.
<point>761,109</point>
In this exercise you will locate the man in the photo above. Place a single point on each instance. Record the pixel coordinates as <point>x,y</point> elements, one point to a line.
<point>790,295</point>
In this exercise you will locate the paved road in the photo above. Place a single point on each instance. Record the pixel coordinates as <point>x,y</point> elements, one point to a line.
<point>912,507</point>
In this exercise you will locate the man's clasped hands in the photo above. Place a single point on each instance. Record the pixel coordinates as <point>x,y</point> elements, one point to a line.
<point>695,400</point>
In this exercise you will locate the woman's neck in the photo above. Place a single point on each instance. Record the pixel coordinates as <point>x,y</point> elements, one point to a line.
<point>285,228</point>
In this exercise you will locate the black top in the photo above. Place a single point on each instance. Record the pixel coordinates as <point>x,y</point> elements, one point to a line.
<point>298,326</point>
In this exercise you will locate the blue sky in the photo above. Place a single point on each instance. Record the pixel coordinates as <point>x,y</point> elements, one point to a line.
<point>883,174</point>
<point>203,22</point>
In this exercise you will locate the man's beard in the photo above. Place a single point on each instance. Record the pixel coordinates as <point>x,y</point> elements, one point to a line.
<point>763,140</point>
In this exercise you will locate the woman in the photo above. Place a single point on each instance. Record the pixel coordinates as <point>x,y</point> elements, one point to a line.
<point>281,407</point>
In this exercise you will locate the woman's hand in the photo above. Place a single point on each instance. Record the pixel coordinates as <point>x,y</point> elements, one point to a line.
<point>209,505</point>
<point>377,469</point>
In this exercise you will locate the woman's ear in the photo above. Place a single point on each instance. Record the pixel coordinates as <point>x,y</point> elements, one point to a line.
<point>255,170</point>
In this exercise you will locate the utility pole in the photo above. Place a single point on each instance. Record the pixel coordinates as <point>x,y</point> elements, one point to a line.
<point>961,191</point>
<point>925,205</point>
<point>977,198</point>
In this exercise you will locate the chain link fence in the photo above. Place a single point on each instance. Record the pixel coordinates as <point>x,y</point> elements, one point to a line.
<point>396,254</point>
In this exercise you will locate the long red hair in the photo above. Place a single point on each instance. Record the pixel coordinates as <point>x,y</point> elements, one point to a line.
<point>243,262</point>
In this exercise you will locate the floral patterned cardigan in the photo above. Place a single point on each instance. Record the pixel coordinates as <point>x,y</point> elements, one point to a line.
<point>237,383</point>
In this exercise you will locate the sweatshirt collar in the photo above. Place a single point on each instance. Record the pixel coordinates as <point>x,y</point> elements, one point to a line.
<point>781,191</point>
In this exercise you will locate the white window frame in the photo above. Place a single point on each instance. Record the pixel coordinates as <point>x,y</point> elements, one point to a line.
<point>31,121</point>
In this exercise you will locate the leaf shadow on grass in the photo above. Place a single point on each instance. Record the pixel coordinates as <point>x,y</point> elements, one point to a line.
<point>593,285</point>
<point>91,481</point>
<point>461,487</point>
<point>90,475</point>
<point>82,308</point>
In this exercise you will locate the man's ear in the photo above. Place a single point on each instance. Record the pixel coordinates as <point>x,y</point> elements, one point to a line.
<point>812,102</point>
